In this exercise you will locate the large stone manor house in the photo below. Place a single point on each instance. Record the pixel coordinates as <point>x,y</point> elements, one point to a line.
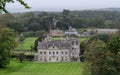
<point>66,50</point>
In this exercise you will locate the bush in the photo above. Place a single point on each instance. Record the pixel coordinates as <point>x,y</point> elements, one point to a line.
<point>29,34</point>
<point>29,57</point>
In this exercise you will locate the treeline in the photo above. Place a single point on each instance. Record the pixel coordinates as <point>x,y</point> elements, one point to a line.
<point>37,21</point>
<point>101,55</point>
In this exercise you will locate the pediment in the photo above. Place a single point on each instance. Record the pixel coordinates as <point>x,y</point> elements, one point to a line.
<point>53,47</point>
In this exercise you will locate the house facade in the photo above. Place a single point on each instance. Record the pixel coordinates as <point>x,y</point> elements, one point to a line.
<point>66,50</point>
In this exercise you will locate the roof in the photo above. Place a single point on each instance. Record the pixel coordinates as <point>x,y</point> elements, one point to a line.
<point>56,43</point>
<point>60,44</point>
<point>72,29</point>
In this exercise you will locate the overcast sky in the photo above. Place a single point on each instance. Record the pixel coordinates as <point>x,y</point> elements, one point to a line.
<point>59,5</point>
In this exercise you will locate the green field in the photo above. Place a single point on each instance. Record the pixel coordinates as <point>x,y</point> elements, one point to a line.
<point>34,68</point>
<point>60,38</point>
<point>83,39</point>
<point>26,44</point>
<point>57,38</point>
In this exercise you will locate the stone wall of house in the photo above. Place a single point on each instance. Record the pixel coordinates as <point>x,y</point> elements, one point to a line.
<point>59,51</point>
<point>75,50</point>
<point>53,56</point>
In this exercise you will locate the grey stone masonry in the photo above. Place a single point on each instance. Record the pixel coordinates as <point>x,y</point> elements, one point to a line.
<point>66,50</point>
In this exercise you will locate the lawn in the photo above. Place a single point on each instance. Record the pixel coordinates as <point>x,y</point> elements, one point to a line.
<point>57,38</point>
<point>26,44</point>
<point>60,38</point>
<point>34,68</point>
<point>84,39</point>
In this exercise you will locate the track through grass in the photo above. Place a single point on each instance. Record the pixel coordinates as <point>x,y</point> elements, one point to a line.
<point>26,44</point>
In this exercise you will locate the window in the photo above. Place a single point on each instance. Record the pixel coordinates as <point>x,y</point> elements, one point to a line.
<point>76,42</point>
<point>53,52</point>
<point>72,42</point>
<point>44,52</point>
<point>57,52</point>
<point>40,52</point>
<point>41,59</point>
<point>57,59</point>
<point>49,52</point>
<point>65,59</point>
<point>66,52</point>
<point>62,52</point>
<point>44,59</point>
<point>72,48</point>
<point>49,59</point>
<point>62,58</point>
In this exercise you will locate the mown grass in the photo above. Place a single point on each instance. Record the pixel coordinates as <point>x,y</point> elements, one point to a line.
<point>26,44</point>
<point>35,68</point>
<point>84,39</point>
<point>57,38</point>
<point>61,38</point>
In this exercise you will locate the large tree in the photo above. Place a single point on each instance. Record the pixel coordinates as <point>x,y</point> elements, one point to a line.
<point>101,59</point>
<point>103,37</point>
<point>7,42</point>
<point>114,47</point>
<point>4,2</point>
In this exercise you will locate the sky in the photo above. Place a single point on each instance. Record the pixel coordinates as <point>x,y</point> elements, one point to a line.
<point>59,5</point>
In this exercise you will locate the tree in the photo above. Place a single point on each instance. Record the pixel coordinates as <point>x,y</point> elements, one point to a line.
<point>103,60</point>
<point>17,26</point>
<point>35,27</point>
<point>103,37</point>
<point>6,18</point>
<point>82,49</point>
<point>114,47</point>
<point>4,2</point>
<point>47,22</point>
<point>95,54</point>
<point>7,42</point>
<point>66,13</point>
<point>79,23</point>
<point>94,50</point>
<point>62,25</point>
<point>98,22</point>
<point>21,57</point>
<point>36,41</point>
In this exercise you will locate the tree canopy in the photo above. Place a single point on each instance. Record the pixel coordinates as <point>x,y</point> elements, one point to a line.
<point>7,42</point>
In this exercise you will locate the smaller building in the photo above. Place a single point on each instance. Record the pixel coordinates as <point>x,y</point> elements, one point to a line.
<point>71,31</point>
<point>107,31</point>
<point>56,32</point>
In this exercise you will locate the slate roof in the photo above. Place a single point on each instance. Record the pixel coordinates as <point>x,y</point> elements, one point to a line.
<point>60,44</point>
